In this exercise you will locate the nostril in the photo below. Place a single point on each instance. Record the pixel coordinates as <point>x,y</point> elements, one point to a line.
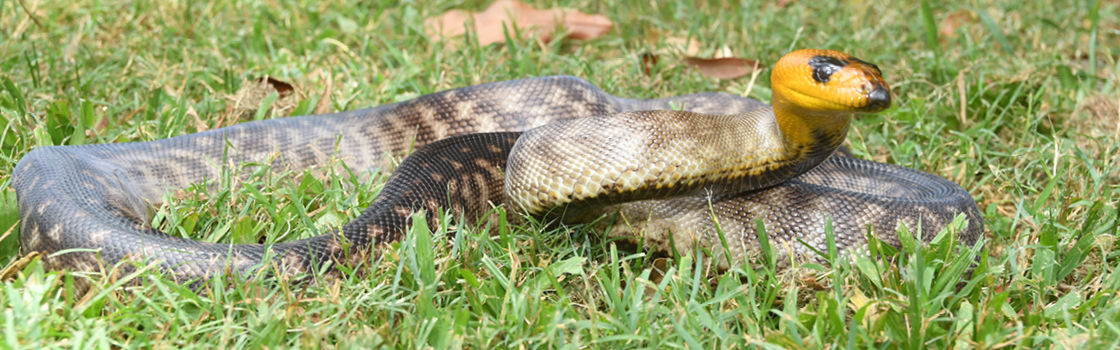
<point>879,98</point>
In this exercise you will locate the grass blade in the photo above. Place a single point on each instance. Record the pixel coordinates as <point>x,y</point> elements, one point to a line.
<point>997,33</point>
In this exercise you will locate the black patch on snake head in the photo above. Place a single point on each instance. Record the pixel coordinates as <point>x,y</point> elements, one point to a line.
<point>877,70</point>
<point>825,66</point>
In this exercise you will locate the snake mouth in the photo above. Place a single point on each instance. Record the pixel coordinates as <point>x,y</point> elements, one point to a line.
<point>878,99</point>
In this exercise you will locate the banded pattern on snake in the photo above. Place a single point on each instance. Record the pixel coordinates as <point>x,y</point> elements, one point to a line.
<point>725,157</point>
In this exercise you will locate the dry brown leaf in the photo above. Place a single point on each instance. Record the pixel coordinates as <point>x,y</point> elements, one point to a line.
<point>489,23</point>
<point>649,60</point>
<point>282,87</point>
<point>812,283</point>
<point>947,29</point>
<point>721,68</point>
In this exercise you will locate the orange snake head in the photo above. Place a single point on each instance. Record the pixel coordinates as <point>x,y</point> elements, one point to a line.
<point>816,92</point>
<point>815,82</point>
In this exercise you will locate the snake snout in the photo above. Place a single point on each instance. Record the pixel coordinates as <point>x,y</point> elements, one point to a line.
<point>878,99</point>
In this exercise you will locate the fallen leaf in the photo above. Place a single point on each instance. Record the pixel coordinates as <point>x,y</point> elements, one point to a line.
<point>947,29</point>
<point>721,68</point>
<point>812,283</point>
<point>649,60</point>
<point>282,88</point>
<point>491,24</point>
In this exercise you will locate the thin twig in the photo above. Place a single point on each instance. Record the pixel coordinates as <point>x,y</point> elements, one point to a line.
<point>29,14</point>
<point>754,75</point>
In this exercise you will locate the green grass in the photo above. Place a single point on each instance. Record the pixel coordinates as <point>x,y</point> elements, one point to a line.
<point>1017,104</point>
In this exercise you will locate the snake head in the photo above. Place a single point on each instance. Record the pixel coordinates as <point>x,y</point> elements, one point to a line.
<point>828,82</point>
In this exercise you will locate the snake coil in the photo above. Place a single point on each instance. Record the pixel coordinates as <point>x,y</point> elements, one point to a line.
<point>666,173</point>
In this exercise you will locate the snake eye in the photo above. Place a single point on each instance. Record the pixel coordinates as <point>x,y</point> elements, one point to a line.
<point>825,66</point>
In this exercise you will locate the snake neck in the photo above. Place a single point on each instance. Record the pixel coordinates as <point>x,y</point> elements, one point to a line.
<point>808,136</point>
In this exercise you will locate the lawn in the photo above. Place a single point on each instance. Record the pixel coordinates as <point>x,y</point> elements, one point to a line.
<point>1017,101</point>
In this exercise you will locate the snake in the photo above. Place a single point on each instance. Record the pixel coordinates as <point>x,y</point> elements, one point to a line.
<point>680,173</point>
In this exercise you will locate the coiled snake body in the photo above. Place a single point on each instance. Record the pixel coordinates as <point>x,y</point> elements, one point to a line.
<point>672,171</point>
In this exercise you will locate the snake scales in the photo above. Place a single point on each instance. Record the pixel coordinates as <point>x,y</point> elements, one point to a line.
<point>97,197</point>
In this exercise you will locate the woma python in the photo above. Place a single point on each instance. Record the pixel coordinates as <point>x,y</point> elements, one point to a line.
<point>667,175</point>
